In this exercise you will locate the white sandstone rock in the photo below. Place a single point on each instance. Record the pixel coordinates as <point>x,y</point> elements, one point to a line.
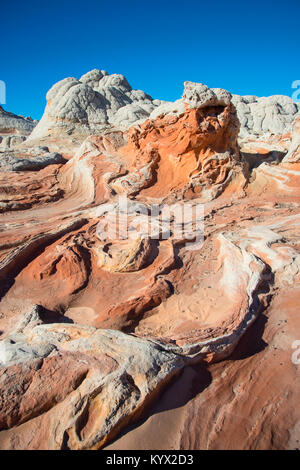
<point>14,129</point>
<point>99,100</point>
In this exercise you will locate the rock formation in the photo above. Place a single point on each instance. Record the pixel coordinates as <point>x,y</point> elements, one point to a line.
<point>108,292</point>
<point>91,103</point>
<point>14,129</point>
<point>267,115</point>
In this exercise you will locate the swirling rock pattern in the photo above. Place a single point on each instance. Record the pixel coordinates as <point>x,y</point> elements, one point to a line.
<point>95,327</point>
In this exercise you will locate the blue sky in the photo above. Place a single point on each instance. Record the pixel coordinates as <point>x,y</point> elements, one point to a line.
<point>246,47</point>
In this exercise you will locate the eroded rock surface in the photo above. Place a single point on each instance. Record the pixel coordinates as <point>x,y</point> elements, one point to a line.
<point>94,323</point>
<point>91,103</point>
<point>14,129</point>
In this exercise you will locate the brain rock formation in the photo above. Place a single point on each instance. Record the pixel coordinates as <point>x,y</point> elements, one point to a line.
<point>114,308</point>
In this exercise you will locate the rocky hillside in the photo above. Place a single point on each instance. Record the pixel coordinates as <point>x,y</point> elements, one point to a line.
<point>14,129</point>
<point>98,329</point>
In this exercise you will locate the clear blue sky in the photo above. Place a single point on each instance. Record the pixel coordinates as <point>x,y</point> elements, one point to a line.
<point>247,47</point>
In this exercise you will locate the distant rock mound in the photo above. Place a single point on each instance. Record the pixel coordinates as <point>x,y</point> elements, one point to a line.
<point>14,129</point>
<point>265,115</point>
<point>93,102</point>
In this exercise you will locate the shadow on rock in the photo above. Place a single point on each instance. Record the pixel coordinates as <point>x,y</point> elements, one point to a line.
<point>252,341</point>
<point>177,393</point>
